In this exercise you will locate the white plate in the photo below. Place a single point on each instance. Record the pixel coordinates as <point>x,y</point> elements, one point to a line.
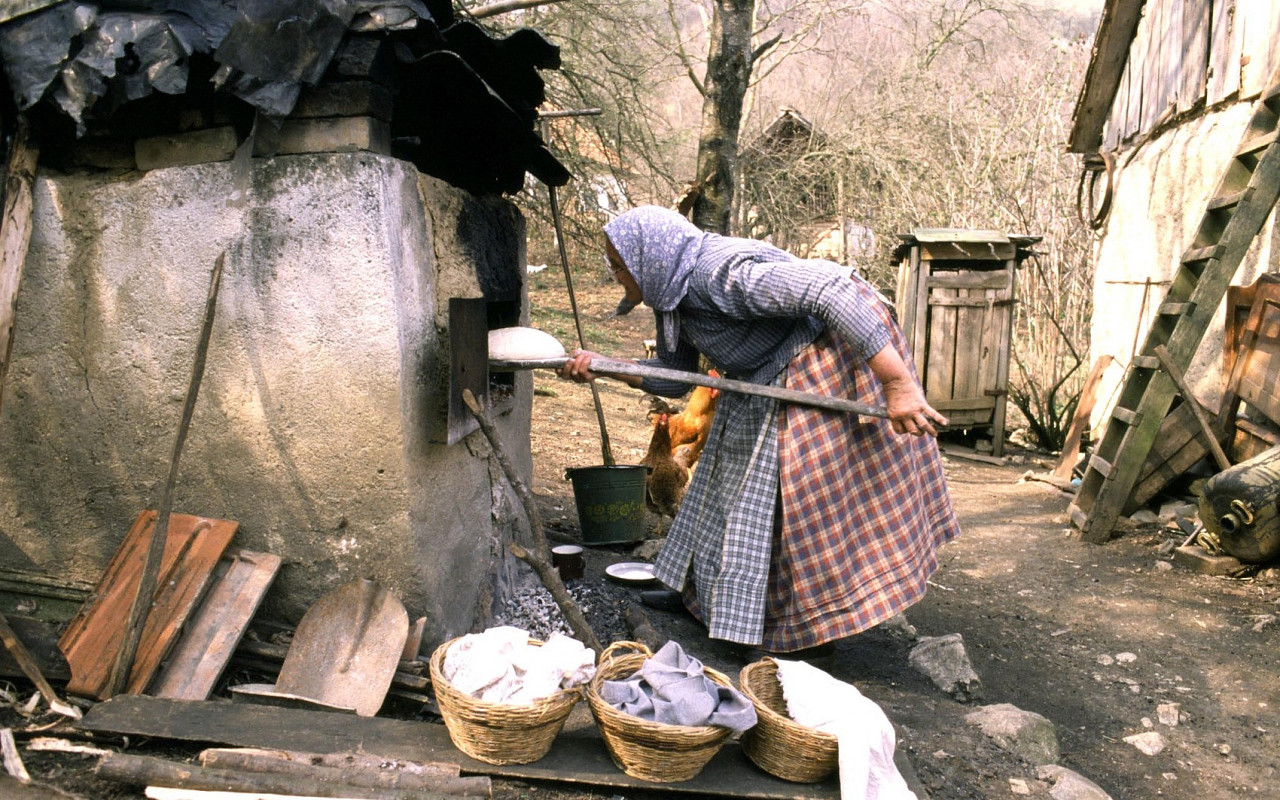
<point>631,573</point>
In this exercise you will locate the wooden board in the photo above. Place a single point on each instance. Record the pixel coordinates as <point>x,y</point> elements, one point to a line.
<point>48,599</point>
<point>1194,17</point>
<point>1084,410</point>
<point>93,638</point>
<point>240,582</point>
<point>1258,381</point>
<point>578,755</point>
<point>1224,53</point>
<point>15,235</point>
<point>1177,447</point>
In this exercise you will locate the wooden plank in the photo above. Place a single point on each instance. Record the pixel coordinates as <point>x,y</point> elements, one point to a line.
<point>971,279</point>
<point>1197,411</point>
<point>578,755</point>
<point>1224,52</point>
<point>996,252</point>
<point>1242,338</point>
<point>1107,65</point>
<point>1257,381</point>
<point>47,599</point>
<point>1194,16</point>
<point>1170,62</point>
<point>920,342</point>
<point>240,583</point>
<point>15,235</point>
<point>92,640</point>
<point>984,404</point>
<point>1150,35</point>
<point>1176,450</point>
<point>906,299</point>
<point>1084,409</point>
<point>940,358</point>
<point>1137,81</point>
<point>971,330</point>
<point>1256,32</point>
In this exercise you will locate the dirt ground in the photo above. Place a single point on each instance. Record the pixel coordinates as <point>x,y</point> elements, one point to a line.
<point>1092,637</point>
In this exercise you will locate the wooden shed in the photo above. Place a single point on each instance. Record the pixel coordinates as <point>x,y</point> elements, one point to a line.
<point>1177,125</point>
<point>955,300</point>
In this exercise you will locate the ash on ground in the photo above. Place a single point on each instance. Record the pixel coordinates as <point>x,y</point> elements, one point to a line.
<point>603,604</point>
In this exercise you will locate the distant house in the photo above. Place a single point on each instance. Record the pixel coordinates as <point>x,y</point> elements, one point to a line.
<point>794,198</point>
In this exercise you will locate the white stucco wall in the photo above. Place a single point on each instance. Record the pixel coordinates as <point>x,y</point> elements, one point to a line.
<point>327,362</point>
<point>1161,190</point>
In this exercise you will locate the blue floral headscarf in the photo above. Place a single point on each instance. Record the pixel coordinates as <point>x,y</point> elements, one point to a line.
<point>660,249</point>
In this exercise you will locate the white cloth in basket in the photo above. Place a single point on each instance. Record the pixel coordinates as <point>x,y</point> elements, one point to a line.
<point>863,733</point>
<point>671,687</point>
<point>501,666</point>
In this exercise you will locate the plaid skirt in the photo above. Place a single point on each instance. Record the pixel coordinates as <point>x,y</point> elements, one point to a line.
<point>862,512</point>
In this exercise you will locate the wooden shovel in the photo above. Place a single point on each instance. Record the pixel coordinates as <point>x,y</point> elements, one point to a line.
<point>609,366</point>
<point>345,650</point>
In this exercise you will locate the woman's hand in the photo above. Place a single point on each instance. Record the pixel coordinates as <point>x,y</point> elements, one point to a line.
<point>578,367</point>
<point>909,412</point>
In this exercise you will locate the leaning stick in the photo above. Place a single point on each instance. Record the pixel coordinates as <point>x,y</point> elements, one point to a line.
<point>119,677</point>
<point>540,557</point>
<point>32,670</point>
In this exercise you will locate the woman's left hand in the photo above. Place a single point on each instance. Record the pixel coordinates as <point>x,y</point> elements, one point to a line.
<point>909,412</point>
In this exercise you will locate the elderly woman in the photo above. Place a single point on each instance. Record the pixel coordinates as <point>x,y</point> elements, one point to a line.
<point>800,526</point>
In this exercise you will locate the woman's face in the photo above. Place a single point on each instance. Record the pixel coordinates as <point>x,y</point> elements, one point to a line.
<point>621,274</point>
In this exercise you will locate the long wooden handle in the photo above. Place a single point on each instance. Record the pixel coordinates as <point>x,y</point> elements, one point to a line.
<point>609,366</point>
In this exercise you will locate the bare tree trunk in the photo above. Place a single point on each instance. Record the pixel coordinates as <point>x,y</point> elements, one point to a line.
<point>729,63</point>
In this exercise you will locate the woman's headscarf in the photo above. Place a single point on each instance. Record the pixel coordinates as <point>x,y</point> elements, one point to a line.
<point>660,249</point>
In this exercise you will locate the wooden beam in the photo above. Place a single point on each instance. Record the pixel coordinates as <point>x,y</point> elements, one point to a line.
<point>1206,430</point>
<point>1106,67</point>
<point>578,756</point>
<point>15,235</point>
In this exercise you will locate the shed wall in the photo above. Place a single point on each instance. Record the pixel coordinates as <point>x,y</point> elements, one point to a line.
<point>1161,191</point>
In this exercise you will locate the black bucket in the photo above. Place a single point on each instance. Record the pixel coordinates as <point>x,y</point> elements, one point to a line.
<point>610,502</point>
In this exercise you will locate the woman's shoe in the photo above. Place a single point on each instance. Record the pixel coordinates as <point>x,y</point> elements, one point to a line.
<point>663,599</point>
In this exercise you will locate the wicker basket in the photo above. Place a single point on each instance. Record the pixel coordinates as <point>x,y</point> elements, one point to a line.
<point>499,733</point>
<point>650,751</point>
<point>778,744</point>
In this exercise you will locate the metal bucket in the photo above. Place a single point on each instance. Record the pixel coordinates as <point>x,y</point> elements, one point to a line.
<point>610,502</point>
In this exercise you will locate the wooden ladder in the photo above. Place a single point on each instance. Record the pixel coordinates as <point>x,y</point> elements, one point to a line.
<point>1244,198</point>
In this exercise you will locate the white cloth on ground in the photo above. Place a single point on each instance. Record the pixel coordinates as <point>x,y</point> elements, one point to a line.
<point>863,733</point>
<point>501,666</point>
<point>672,687</point>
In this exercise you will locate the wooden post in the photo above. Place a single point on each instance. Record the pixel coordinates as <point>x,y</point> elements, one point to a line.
<point>151,566</point>
<point>15,235</point>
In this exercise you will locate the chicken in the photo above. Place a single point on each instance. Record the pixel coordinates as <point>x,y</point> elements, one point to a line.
<point>689,428</point>
<point>666,479</point>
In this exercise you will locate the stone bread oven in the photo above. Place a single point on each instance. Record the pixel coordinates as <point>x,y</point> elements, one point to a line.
<point>300,145</point>
<point>319,425</point>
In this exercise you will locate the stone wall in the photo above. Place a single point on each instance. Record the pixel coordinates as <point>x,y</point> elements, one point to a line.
<point>322,394</point>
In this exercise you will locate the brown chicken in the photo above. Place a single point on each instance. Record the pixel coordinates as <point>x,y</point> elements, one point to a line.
<point>689,428</point>
<point>666,480</point>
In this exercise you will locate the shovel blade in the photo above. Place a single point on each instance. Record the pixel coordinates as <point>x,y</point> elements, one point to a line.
<point>346,648</point>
